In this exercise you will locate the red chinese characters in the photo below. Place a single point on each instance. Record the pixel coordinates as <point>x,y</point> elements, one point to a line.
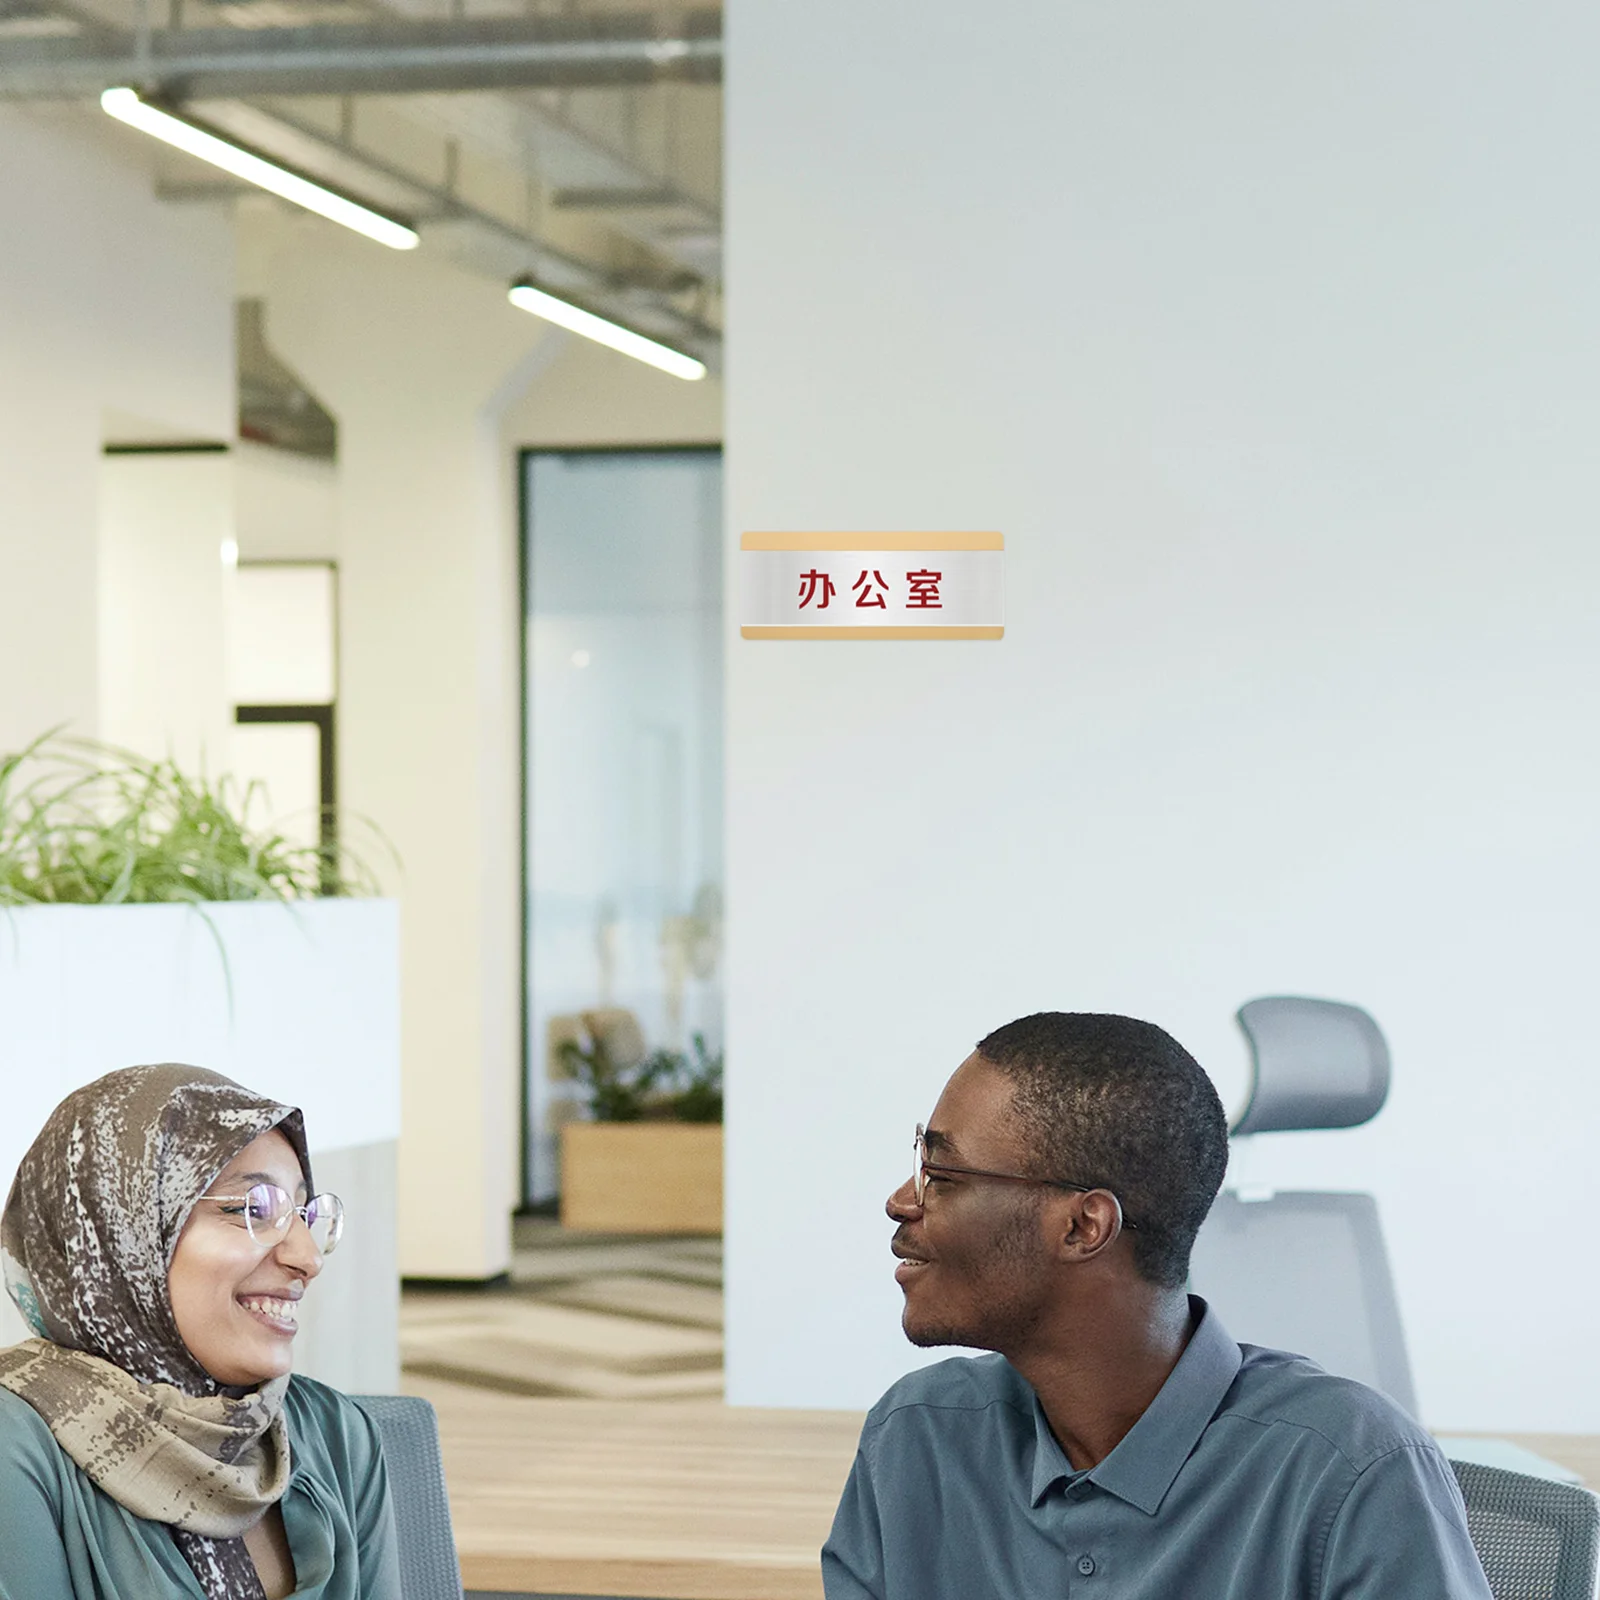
<point>924,587</point>
<point>813,582</point>
<point>873,592</point>
<point>870,590</point>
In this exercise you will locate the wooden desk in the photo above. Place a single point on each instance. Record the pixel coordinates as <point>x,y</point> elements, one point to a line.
<point>681,1499</point>
<point>685,1500</point>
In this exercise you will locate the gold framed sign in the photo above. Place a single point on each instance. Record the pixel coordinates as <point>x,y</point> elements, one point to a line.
<point>872,586</point>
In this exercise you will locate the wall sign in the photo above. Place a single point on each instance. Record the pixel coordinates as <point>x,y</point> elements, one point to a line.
<point>872,586</point>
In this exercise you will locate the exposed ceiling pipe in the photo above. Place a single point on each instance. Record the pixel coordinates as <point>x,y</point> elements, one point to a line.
<point>383,57</point>
<point>489,243</point>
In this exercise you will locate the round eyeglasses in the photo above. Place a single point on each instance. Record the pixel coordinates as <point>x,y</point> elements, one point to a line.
<point>923,1166</point>
<point>264,1211</point>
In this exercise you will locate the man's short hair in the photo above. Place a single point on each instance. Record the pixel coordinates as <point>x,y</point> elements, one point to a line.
<point>1120,1104</point>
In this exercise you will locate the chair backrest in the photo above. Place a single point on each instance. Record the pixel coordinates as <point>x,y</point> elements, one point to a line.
<point>1537,1539</point>
<point>409,1431</point>
<point>1317,1064</point>
<point>1307,1273</point>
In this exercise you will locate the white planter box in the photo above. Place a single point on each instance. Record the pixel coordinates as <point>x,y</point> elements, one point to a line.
<point>305,1010</point>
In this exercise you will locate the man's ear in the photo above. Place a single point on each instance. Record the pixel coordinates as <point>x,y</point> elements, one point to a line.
<point>1087,1225</point>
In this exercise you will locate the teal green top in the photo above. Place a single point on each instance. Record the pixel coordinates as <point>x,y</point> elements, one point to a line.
<point>61,1538</point>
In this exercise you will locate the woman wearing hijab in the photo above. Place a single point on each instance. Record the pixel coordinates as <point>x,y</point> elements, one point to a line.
<point>159,1236</point>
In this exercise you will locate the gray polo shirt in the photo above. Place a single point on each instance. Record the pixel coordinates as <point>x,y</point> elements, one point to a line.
<point>1253,1475</point>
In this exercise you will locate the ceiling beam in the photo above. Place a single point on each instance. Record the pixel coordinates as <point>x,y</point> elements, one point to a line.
<point>383,57</point>
<point>600,198</point>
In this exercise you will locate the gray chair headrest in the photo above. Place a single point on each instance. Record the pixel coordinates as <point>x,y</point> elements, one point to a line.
<point>1316,1064</point>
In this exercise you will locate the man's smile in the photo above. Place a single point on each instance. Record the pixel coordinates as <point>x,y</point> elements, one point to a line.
<point>910,1262</point>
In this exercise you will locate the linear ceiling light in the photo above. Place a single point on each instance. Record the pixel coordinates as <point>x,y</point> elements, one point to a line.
<point>126,106</point>
<point>575,318</point>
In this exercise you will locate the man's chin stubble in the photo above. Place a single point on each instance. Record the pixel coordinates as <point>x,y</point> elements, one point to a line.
<point>928,1338</point>
<point>1009,1330</point>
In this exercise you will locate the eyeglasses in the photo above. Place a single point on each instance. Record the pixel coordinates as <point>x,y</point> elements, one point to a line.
<point>264,1211</point>
<point>919,1176</point>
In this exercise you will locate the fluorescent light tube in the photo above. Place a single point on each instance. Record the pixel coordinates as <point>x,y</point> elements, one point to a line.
<point>575,318</point>
<point>126,106</point>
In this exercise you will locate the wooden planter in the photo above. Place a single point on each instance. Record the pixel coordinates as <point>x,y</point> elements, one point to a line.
<point>642,1177</point>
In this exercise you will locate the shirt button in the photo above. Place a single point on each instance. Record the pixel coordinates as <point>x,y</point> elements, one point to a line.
<point>1086,1565</point>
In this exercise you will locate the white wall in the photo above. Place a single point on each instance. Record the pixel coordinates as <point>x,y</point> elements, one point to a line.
<point>1267,338</point>
<point>108,302</point>
<point>591,396</point>
<point>286,506</point>
<point>162,591</point>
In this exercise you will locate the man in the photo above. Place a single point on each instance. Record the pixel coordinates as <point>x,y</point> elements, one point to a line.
<point>1119,1443</point>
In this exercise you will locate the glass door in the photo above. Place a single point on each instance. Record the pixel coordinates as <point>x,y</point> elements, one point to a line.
<point>623,704</point>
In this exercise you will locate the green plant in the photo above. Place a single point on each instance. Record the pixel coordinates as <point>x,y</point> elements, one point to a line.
<point>84,823</point>
<point>617,1091</point>
<point>664,1087</point>
<point>698,1093</point>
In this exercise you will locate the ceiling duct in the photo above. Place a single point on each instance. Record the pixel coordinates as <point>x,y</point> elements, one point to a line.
<point>275,407</point>
<point>386,56</point>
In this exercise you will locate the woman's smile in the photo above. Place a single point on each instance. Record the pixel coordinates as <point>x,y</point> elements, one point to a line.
<point>279,1313</point>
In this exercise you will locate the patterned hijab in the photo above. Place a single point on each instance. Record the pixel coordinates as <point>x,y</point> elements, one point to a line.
<point>86,1241</point>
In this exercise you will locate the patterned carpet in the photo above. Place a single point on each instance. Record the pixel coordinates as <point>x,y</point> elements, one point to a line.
<point>587,1316</point>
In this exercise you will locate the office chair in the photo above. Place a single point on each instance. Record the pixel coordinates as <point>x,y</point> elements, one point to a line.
<point>1306,1271</point>
<point>1537,1540</point>
<point>1314,1064</point>
<point>409,1432</point>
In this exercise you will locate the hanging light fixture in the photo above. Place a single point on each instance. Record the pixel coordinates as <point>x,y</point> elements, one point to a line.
<point>603,331</point>
<point>198,140</point>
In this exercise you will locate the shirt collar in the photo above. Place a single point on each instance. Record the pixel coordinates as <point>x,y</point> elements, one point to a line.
<point>1142,1467</point>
